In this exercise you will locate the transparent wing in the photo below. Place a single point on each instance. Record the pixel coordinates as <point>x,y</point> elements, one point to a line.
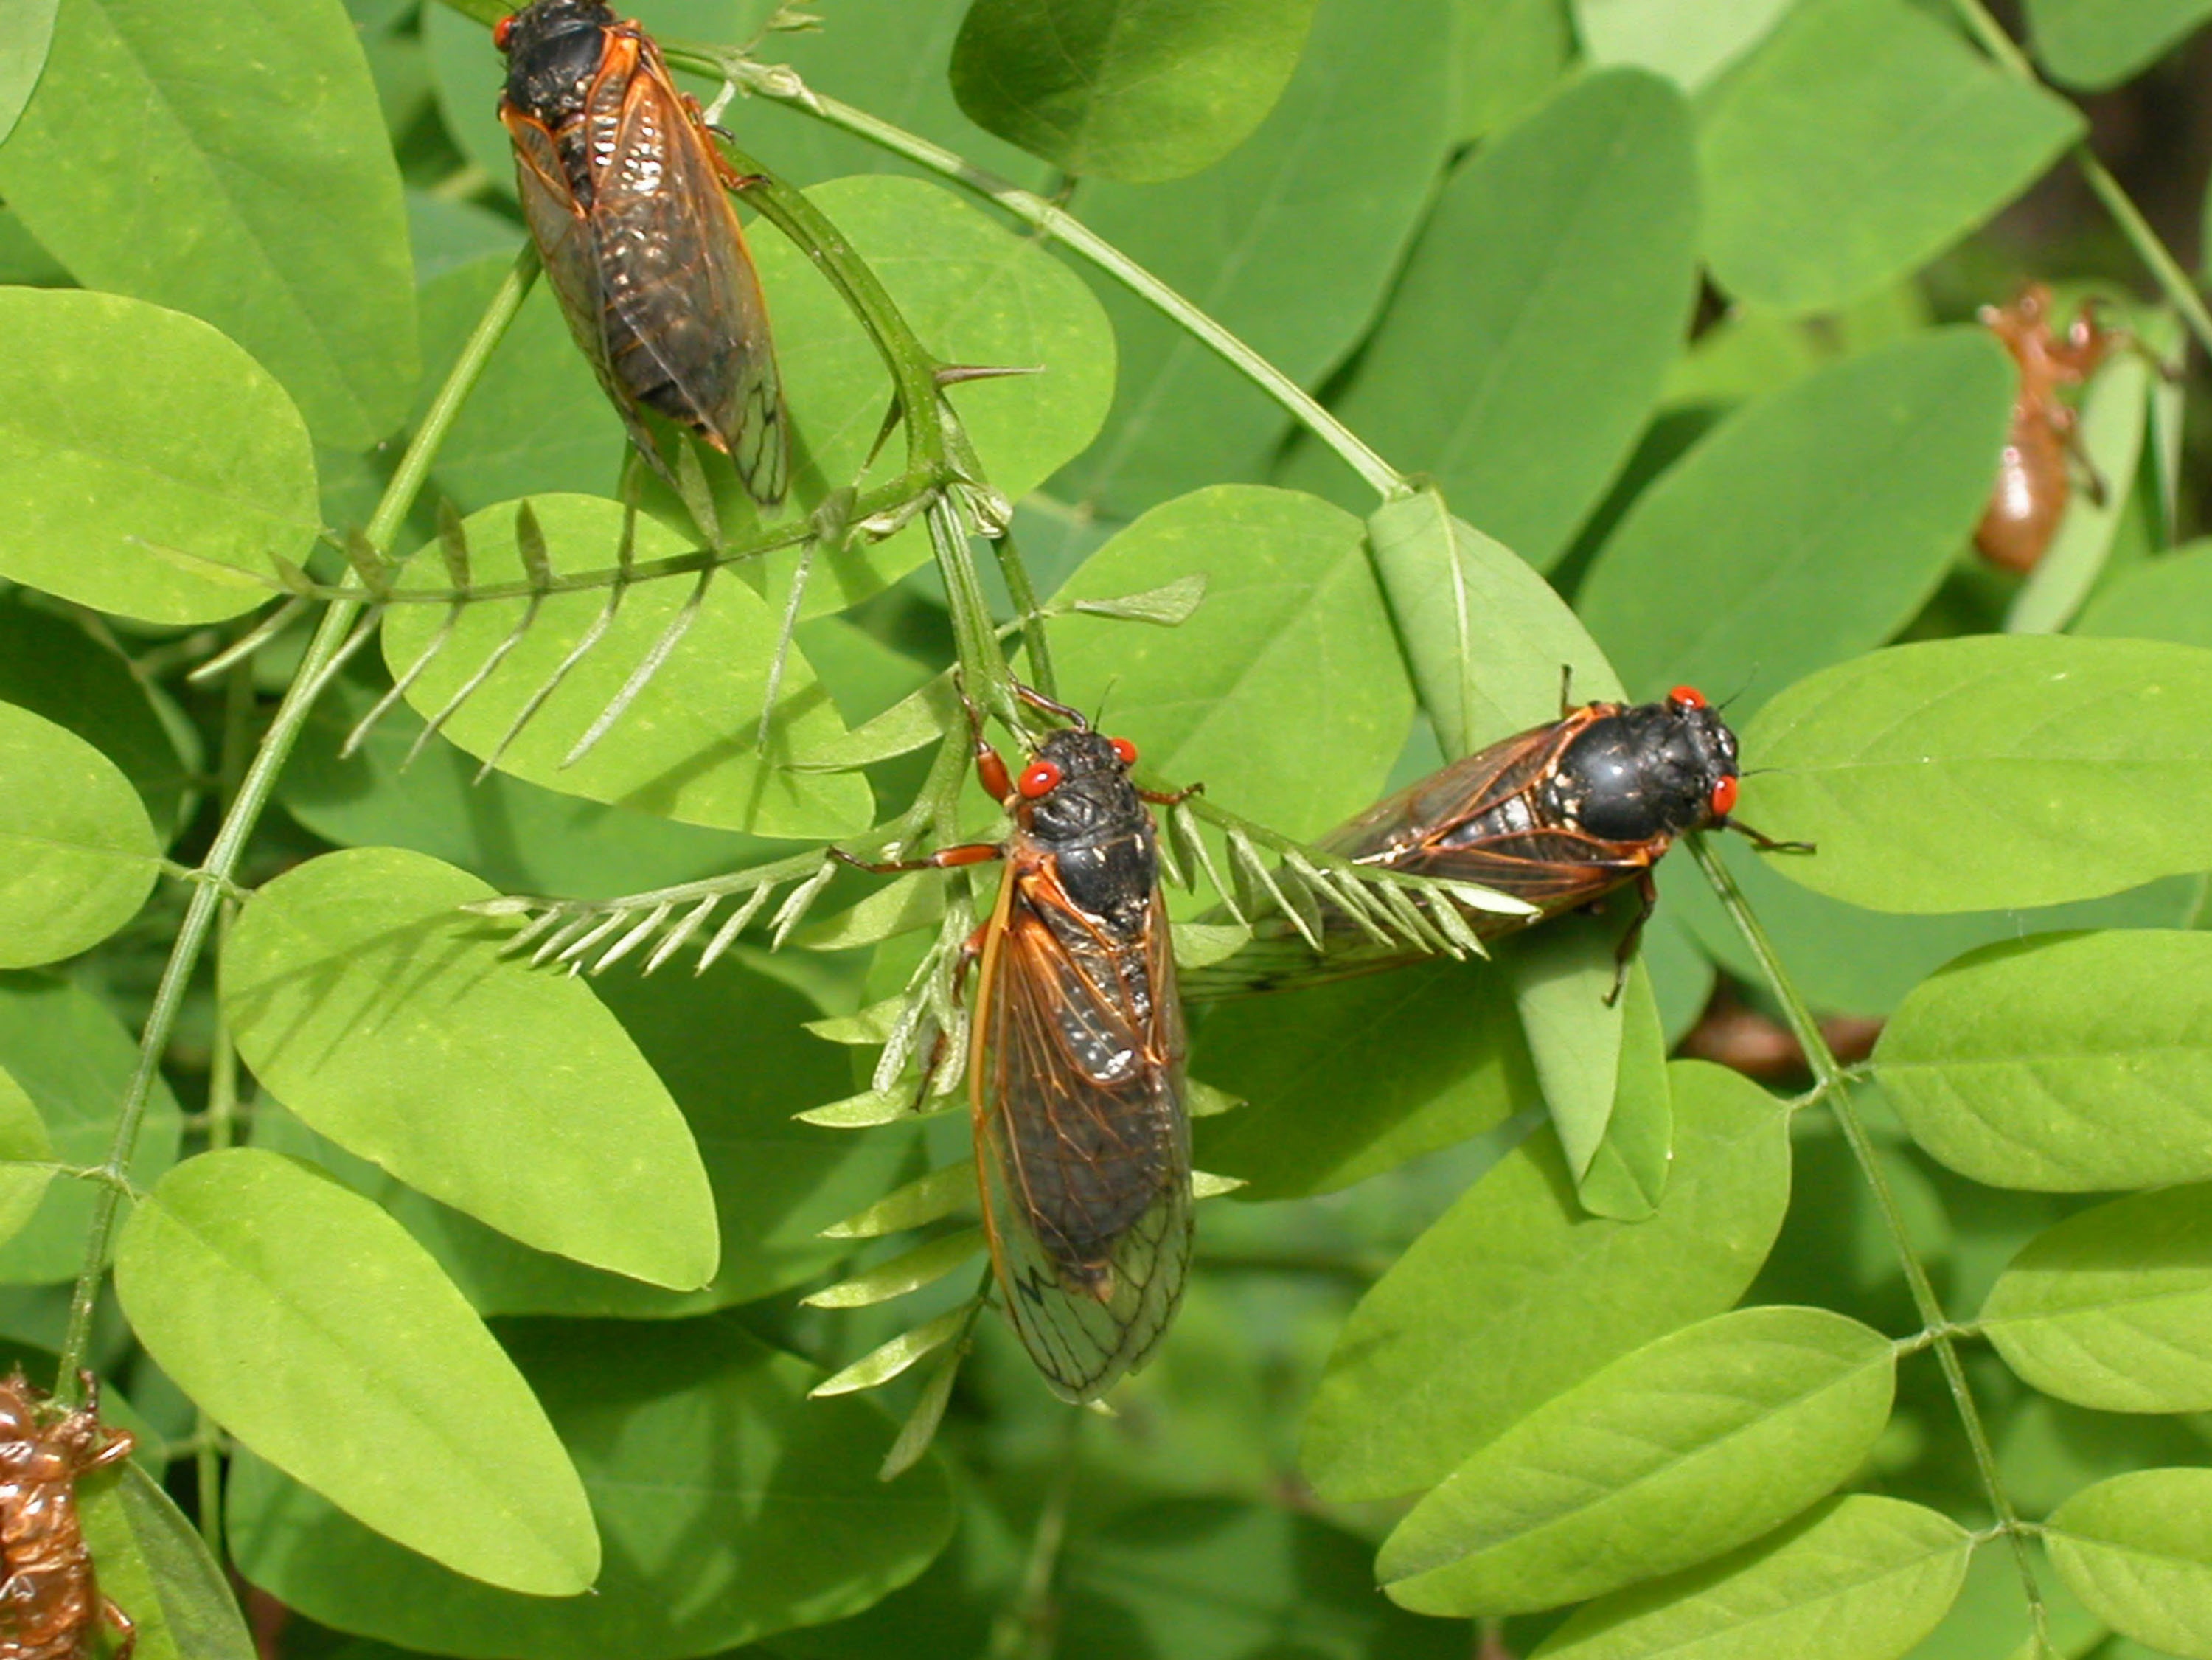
<point>685,322</point>
<point>1082,1141</point>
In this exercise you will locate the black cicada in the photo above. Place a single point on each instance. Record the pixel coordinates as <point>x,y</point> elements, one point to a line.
<point>1558,816</point>
<point>625,193</point>
<point>1076,1068</point>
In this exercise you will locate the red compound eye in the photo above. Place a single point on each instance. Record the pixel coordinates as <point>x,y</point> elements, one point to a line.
<point>1038,778</point>
<point>1725,797</point>
<point>1686,698</point>
<point>1126,750</point>
<point>501,31</point>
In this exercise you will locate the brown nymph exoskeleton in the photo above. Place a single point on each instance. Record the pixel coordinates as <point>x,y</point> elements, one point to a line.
<point>50,1601</point>
<point>2042,444</point>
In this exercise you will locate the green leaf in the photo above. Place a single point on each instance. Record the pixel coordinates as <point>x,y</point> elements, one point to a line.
<point>1863,1578</point>
<point>1688,41</point>
<point>1283,693</point>
<point>77,854</point>
<point>72,1056</point>
<point>1487,638</point>
<point>157,1569</point>
<point>1348,1081</point>
<point>141,453</point>
<point>391,1399</point>
<point>777,1183</point>
<point>1667,1457</point>
<point>1979,773</point>
<point>2096,43</point>
<point>364,997</point>
<point>1419,1377</point>
<point>733,1507</point>
<point>1291,244</point>
<point>1207,1578</point>
<point>2169,598</point>
<point>1506,56</point>
<point>1808,527</point>
<point>1526,340</point>
<point>685,747</point>
<point>276,213</point>
<point>2134,1549</point>
<point>27,33</point>
<point>27,1152</point>
<point>1137,90</point>
<point>1561,976</point>
<point>2067,1064</point>
<point>519,837</point>
<point>1627,1173</point>
<point>1859,139</point>
<point>52,666</point>
<point>2113,1308</point>
<point>2115,416</point>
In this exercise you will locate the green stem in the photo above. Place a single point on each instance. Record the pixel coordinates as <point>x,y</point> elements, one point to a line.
<point>983,673</point>
<point>1828,1075</point>
<point>782,86</point>
<point>1031,620</point>
<point>2172,280</point>
<point>220,864</point>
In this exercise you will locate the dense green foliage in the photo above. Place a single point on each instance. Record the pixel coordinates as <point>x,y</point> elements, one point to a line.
<point>448,1095</point>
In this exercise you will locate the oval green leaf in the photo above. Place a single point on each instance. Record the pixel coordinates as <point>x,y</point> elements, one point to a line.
<point>391,1398</point>
<point>27,33</point>
<point>157,1569</point>
<point>51,665</point>
<point>1863,1578</point>
<point>1419,1377</point>
<point>1526,342</point>
<point>2096,43</point>
<point>1746,561</point>
<point>2168,597</point>
<point>1343,1081</point>
<point>375,1008</point>
<point>1137,90</point>
<point>1561,977</point>
<point>2068,1064</point>
<point>77,854</point>
<point>148,466</point>
<point>2113,1308</point>
<point>73,1057</point>
<point>2135,1548</point>
<point>685,748</point>
<point>1688,41</point>
<point>1486,638</point>
<point>1291,244</point>
<point>1862,137</point>
<point>1670,1455</point>
<point>26,1154</point>
<point>277,215</point>
<point>1284,692</point>
<point>1984,773</point>
<point>732,1507</point>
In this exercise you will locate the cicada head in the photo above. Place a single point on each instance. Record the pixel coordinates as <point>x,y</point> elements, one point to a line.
<point>553,50</point>
<point>1649,770</point>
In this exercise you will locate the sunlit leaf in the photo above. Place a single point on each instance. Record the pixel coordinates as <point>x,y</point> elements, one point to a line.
<point>77,854</point>
<point>2134,1549</point>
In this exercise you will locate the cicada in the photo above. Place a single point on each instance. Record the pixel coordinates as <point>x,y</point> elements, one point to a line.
<point>2043,443</point>
<point>1076,1062</point>
<point>48,1597</point>
<point>625,193</point>
<point>1558,817</point>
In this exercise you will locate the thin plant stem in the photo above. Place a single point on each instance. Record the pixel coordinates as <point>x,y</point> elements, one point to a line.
<point>780,85</point>
<point>244,813</point>
<point>1938,1327</point>
<point>2173,280</point>
<point>1023,592</point>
